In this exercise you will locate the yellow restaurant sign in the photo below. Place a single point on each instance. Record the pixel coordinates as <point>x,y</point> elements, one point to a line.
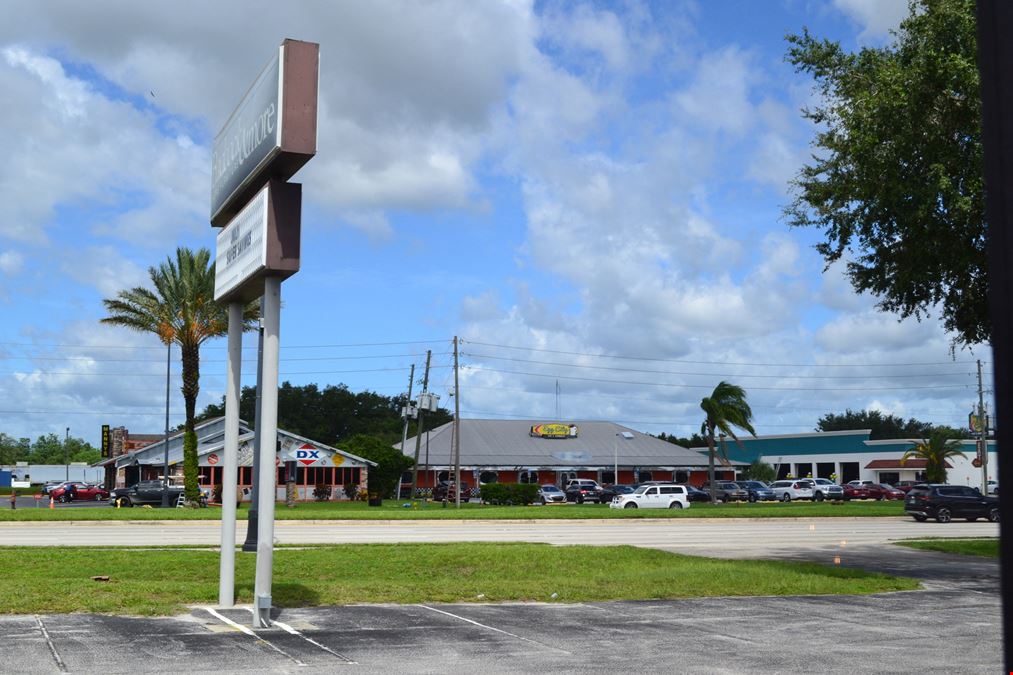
<point>554,430</point>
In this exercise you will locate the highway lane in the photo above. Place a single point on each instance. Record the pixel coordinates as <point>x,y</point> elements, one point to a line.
<point>732,538</point>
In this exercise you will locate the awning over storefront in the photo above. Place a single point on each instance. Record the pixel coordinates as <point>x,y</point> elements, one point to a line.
<point>899,465</point>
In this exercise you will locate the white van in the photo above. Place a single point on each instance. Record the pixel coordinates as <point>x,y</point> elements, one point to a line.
<point>659,496</point>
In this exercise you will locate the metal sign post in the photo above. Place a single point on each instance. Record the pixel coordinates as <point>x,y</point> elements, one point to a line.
<point>268,442</point>
<point>230,469</point>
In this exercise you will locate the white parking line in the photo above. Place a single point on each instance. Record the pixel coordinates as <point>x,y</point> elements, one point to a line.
<point>292,631</point>
<point>250,632</point>
<point>52,648</point>
<point>482,625</point>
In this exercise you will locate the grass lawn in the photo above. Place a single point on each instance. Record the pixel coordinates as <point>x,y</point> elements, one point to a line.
<point>163,581</point>
<point>393,510</point>
<point>986,548</point>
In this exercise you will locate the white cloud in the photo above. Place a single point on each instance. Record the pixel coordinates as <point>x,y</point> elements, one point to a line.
<point>718,97</point>
<point>11,263</point>
<point>876,17</point>
<point>111,156</point>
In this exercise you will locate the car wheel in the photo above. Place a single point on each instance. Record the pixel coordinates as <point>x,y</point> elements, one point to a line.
<point>98,496</point>
<point>919,518</point>
<point>752,499</point>
<point>543,501</point>
<point>943,516</point>
<point>675,505</point>
<point>819,496</point>
<point>786,498</point>
<point>630,505</point>
<point>879,498</point>
<point>125,502</point>
<point>62,499</point>
<point>580,499</point>
<point>993,515</point>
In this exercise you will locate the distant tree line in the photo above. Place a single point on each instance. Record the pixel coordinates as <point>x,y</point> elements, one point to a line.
<point>883,426</point>
<point>47,449</point>
<point>333,414</point>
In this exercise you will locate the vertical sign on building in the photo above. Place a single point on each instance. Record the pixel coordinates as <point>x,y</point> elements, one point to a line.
<point>106,441</point>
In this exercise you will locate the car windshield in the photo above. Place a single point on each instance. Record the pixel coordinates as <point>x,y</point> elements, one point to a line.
<point>642,489</point>
<point>755,484</point>
<point>550,488</point>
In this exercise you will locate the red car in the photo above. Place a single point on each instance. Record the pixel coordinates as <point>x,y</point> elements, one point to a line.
<point>856,491</point>
<point>81,492</point>
<point>884,491</point>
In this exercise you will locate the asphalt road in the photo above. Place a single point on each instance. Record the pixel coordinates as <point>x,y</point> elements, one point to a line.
<point>732,538</point>
<point>953,625</point>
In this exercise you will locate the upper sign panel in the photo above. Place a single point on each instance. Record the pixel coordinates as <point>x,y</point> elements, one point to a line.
<point>271,133</point>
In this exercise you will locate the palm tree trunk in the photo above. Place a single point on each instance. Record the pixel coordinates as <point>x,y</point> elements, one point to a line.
<point>191,388</point>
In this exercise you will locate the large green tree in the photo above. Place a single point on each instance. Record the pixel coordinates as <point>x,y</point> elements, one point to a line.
<point>390,463</point>
<point>935,450</point>
<point>333,413</point>
<point>882,426</point>
<point>726,409</point>
<point>895,181</point>
<point>180,309</point>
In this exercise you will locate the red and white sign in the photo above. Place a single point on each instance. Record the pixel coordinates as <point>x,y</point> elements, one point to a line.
<point>306,454</point>
<point>212,459</point>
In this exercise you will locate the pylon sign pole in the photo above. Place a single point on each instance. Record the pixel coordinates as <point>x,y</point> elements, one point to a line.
<point>268,446</point>
<point>268,137</point>
<point>230,469</point>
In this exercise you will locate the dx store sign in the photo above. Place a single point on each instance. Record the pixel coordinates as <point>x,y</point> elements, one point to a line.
<point>307,455</point>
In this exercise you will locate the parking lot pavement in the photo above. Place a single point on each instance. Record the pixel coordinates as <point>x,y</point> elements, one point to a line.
<point>954,626</point>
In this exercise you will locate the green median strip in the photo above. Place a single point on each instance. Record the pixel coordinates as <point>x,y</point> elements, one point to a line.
<point>144,581</point>
<point>983,547</point>
<point>392,510</point>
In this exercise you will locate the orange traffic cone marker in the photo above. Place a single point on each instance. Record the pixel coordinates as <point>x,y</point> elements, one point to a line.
<point>52,504</point>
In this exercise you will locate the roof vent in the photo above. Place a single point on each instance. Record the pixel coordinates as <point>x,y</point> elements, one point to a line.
<point>627,435</point>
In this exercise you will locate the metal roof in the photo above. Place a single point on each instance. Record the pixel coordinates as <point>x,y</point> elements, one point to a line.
<point>509,443</point>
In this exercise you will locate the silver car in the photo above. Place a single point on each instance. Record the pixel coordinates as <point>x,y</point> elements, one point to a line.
<point>824,488</point>
<point>792,488</point>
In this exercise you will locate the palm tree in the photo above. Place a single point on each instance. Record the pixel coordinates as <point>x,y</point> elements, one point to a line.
<point>182,310</point>
<point>935,450</point>
<point>726,408</point>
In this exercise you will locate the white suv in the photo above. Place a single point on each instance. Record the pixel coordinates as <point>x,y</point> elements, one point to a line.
<point>786,490</point>
<point>653,497</point>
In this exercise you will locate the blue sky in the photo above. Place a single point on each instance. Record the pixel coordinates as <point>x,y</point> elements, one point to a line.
<point>583,192</point>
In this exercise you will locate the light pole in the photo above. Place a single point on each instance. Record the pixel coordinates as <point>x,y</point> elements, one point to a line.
<point>66,457</point>
<point>165,449</point>
<point>615,452</point>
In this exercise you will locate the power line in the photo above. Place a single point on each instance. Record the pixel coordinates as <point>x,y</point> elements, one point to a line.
<point>718,363</point>
<point>709,386</point>
<point>721,375</point>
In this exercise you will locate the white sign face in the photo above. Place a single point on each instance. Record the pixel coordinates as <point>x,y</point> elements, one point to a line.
<point>241,246</point>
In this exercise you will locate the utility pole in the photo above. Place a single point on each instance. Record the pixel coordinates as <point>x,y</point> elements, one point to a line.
<point>457,432</point>
<point>418,431</point>
<point>983,437</point>
<point>407,418</point>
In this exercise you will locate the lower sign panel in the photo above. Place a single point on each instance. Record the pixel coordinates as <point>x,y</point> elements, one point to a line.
<point>262,240</point>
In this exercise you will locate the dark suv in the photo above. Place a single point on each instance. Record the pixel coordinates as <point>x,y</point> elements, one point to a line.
<point>145,492</point>
<point>946,502</point>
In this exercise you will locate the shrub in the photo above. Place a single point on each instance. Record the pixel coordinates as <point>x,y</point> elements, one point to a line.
<point>322,492</point>
<point>509,493</point>
<point>351,491</point>
<point>216,494</point>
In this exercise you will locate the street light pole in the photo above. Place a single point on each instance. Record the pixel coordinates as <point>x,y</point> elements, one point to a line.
<point>66,459</point>
<point>615,451</point>
<point>165,444</point>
